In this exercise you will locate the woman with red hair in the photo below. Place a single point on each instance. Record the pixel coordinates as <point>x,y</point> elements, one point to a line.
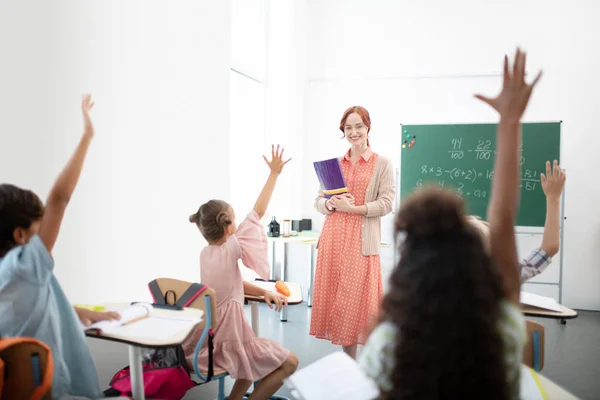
<point>348,289</point>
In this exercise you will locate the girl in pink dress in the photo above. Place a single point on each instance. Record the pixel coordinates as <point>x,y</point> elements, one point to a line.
<point>237,350</point>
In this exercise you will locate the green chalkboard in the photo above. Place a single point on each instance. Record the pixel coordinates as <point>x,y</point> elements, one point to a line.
<point>461,157</point>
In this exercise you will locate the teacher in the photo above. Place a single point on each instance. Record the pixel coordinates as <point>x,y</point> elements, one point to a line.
<point>348,289</point>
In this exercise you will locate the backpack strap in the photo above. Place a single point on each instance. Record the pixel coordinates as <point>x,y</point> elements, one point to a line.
<point>190,294</point>
<point>156,293</point>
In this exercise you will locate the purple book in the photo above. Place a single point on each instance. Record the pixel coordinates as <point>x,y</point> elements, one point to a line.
<point>331,177</point>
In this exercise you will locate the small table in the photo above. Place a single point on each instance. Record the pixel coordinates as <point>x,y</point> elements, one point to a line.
<point>563,315</point>
<point>307,237</point>
<point>294,298</point>
<point>135,345</point>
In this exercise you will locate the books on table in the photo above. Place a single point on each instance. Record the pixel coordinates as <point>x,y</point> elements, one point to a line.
<point>535,300</point>
<point>140,321</point>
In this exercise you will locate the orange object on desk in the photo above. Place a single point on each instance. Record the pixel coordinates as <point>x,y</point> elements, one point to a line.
<point>282,288</point>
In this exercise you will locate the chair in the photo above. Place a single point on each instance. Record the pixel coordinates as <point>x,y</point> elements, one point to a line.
<point>26,369</point>
<point>533,353</point>
<point>173,289</point>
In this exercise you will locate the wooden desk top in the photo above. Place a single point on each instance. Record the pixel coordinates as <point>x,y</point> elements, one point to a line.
<point>566,313</point>
<point>178,338</point>
<point>295,292</point>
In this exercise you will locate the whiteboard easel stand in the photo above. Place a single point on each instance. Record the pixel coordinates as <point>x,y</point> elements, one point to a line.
<point>562,247</point>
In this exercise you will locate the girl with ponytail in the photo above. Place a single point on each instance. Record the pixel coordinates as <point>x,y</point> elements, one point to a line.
<point>236,349</point>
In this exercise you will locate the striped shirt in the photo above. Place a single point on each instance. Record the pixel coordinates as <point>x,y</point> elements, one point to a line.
<point>379,200</point>
<point>378,362</point>
<point>537,261</point>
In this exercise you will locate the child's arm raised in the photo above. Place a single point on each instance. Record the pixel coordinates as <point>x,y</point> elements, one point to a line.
<point>63,188</point>
<point>276,164</point>
<point>504,202</point>
<point>553,183</point>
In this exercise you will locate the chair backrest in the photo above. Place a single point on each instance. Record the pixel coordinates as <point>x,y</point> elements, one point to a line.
<point>533,354</point>
<point>26,369</point>
<point>174,289</point>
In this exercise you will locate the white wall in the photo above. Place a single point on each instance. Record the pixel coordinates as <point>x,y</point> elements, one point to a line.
<point>421,62</point>
<point>159,73</point>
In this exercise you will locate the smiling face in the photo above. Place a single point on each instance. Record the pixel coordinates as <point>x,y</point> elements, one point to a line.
<point>356,124</point>
<point>356,131</point>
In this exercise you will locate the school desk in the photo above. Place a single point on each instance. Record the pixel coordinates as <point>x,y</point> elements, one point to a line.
<point>135,344</point>
<point>563,315</point>
<point>310,238</point>
<point>553,391</point>
<point>294,298</point>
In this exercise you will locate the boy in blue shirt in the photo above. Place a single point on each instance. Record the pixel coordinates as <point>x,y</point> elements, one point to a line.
<point>32,303</point>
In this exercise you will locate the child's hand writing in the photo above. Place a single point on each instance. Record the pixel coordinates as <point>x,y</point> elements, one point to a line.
<point>276,299</point>
<point>553,181</point>
<point>512,100</point>
<point>86,106</point>
<point>276,164</point>
<point>88,317</point>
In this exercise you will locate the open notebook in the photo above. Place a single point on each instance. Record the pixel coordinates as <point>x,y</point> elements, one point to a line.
<point>531,388</point>
<point>139,322</point>
<point>333,377</point>
<point>543,302</point>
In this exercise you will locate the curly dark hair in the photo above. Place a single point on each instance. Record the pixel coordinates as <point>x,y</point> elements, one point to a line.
<point>444,298</point>
<point>19,208</point>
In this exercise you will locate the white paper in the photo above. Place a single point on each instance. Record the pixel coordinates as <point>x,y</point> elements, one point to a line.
<point>538,301</point>
<point>129,314</point>
<point>529,388</point>
<point>155,328</point>
<point>333,377</point>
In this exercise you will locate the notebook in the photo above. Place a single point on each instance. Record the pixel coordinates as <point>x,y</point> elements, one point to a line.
<point>538,301</point>
<point>138,322</point>
<point>330,177</point>
<point>334,377</point>
<point>531,387</point>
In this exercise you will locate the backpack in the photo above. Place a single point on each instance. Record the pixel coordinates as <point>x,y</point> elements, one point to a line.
<point>26,369</point>
<point>165,370</point>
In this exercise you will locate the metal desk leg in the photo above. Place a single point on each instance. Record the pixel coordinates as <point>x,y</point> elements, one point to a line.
<point>273,259</point>
<point>311,281</point>
<point>254,314</point>
<point>283,314</point>
<point>136,371</point>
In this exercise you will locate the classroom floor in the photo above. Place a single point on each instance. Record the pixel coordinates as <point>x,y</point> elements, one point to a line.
<point>572,351</point>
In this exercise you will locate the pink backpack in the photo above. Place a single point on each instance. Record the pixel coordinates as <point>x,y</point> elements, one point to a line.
<point>166,374</point>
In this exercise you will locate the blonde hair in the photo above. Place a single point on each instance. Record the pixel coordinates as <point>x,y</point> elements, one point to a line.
<point>482,228</point>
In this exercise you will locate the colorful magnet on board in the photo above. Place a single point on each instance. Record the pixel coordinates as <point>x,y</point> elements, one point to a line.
<point>413,142</point>
<point>410,145</point>
<point>406,131</point>
<point>405,141</point>
<point>403,146</point>
<point>414,136</point>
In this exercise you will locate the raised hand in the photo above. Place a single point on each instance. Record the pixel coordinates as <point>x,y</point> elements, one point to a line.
<point>276,164</point>
<point>553,181</point>
<point>513,99</point>
<point>86,106</point>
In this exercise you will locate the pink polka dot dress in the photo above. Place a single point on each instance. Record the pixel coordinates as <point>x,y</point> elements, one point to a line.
<point>236,349</point>
<point>348,288</point>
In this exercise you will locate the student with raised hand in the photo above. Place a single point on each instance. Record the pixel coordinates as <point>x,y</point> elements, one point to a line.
<point>539,258</point>
<point>451,326</point>
<point>32,302</point>
<point>237,350</point>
